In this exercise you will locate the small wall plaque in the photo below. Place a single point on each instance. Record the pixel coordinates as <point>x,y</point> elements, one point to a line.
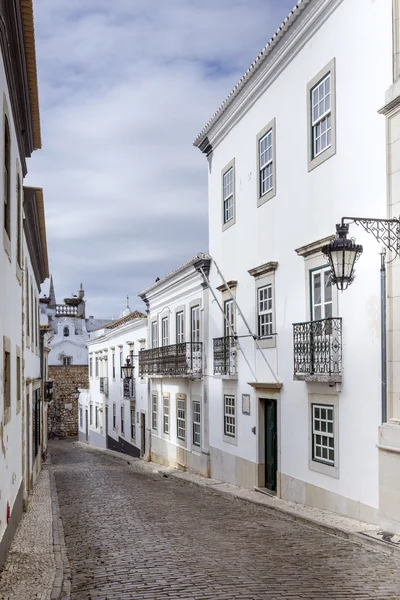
<point>246,404</point>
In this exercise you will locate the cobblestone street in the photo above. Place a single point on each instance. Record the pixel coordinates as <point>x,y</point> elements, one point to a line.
<point>135,535</point>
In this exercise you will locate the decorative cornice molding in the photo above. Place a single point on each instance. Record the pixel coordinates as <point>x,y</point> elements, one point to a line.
<point>231,284</point>
<point>314,247</point>
<point>265,386</point>
<point>265,269</point>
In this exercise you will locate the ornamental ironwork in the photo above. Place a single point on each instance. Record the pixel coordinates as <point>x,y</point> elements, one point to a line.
<point>385,231</point>
<point>129,387</point>
<point>176,360</point>
<point>318,349</point>
<point>225,356</point>
<point>104,385</point>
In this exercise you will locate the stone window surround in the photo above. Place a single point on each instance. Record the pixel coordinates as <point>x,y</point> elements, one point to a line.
<point>196,398</point>
<point>19,378</point>
<point>7,348</point>
<point>230,165</point>
<point>165,435</point>
<point>6,238</point>
<point>180,309</point>
<point>331,151</point>
<point>229,391</point>
<point>154,394</point>
<point>265,275</point>
<point>20,236</point>
<point>197,302</point>
<point>262,199</point>
<point>179,441</point>
<point>314,465</point>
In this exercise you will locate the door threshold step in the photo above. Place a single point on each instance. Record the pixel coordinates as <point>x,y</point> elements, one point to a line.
<point>266,491</point>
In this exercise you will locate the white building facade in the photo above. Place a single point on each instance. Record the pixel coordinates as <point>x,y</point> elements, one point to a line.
<point>294,394</point>
<point>176,364</point>
<point>113,412</point>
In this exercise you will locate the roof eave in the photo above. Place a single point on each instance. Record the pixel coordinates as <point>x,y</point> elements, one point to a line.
<point>30,53</point>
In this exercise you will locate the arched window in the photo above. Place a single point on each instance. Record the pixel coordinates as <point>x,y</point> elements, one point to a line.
<point>66,331</point>
<point>6,177</point>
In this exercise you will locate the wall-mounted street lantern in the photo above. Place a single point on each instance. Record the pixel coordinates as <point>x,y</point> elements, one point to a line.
<point>342,254</point>
<point>127,369</point>
<point>76,394</point>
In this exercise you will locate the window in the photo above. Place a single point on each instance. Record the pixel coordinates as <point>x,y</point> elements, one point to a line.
<point>18,382</point>
<point>113,365</point>
<point>6,177</point>
<point>7,380</point>
<point>121,362</point>
<point>80,416</point>
<point>164,332</point>
<point>32,319</point>
<point>122,420</point>
<point>166,413</point>
<point>133,426</point>
<point>229,416</point>
<point>229,318</point>
<point>181,419</point>
<point>228,195</point>
<point>96,417</point>
<point>67,361</point>
<point>19,222</point>
<point>114,416</point>
<point>321,116</point>
<point>195,324</point>
<point>66,331</point>
<point>196,424</point>
<point>323,441</point>
<point>180,333</point>
<point>265,163</point>
<point>36,421</point>
<point>321,294</point>
<point>90,367</point>
<point>154,411</point>
<point>265,326</point>
<point>97,366</point>
<point>91,414</point>
<point>27,312</point>
<point>154,341</point>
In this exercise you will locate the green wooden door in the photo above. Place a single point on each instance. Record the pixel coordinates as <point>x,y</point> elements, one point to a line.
<point>271,445</point>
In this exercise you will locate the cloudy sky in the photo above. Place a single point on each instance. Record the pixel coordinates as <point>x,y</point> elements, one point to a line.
<point>125,86</point>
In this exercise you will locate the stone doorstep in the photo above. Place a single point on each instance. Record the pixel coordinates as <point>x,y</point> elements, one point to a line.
<point>357,532</point>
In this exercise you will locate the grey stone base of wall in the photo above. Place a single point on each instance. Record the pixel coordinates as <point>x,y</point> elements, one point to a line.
<point>123,446</point>
<point>9,533</point>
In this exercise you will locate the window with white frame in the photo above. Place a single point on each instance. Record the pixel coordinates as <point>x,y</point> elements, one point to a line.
<point>166,413</point>
<point>321,294</point>
<point>228,195</point>
<point>91,414</point>
<point>195,323</point>
<point>321,119</point>
<point>133,425</point>
<point>121,363</point>
<point>90,367</point>
<point>323,437</point>
<point>96,363</point>
<point>154,411</point>
<point>81,416</point>
<point>180,333</point>
<point>265,311</point>
<point>67,361</point>
<point>265,158</point>
<point>165,331</point>
<point>229,317</point>
<point>96,416</point>
<point>229,416</point>
<point>114,416</point>
<point>154,340</point>
<point>113,365</point>
<point>181,418</point>
<point>196,423</point>
<point>122,420</point>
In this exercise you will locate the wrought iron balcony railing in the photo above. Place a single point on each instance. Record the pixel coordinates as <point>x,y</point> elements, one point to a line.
<point>129,385</point>
<point>177,360</point>
<point>225,356</point>
<point>104,385</point>
<point>318,350</point>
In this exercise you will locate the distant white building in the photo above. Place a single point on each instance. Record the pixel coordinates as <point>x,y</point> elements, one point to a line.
<point>175,363</point>
<point>297,145</point>
<point>113,411</point>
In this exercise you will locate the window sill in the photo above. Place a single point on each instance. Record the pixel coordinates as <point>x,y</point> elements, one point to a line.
<point>321,158</point>
<point>324,469</point>
<point>229,224</point>
<point>230,440</point>
<point>267,342</point>
<point>7,244</point>
<point>266,197</point>
<point>320,378</point>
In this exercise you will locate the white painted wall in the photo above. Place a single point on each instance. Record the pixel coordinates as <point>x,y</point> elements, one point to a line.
<point>73,345</point>
<point>305,209</point>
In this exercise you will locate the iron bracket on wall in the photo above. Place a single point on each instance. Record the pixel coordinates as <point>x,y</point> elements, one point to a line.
<point>386,231</point>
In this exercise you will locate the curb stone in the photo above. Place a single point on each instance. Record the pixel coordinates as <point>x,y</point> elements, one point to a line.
<point>62,580</point>
<point>358,538</point>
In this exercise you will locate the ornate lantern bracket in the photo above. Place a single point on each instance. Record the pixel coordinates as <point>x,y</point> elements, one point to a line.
<point>385,231</point>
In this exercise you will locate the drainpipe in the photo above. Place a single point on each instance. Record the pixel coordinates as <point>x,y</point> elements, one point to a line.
<point>383,338</point>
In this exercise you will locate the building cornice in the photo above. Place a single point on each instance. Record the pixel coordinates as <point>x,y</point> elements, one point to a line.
<point>265,269</point>
<point>30,52</point>
<point>314,247</point>
<point>35,232</point>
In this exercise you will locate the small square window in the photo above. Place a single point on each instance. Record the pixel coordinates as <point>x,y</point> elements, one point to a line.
<point>323,441</point>
<point>229,416</point>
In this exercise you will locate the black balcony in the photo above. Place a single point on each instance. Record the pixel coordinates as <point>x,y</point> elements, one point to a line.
<point>318,350</point>
<point>129,385</point>
<point>104,385</point>
<point>225,356</point>
<point>177,360</point>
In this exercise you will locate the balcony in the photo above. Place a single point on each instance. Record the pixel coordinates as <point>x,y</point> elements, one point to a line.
<point>104,385</point>
<point>225,356</point>
<point>318,351</point>
<point>178,360</point>
<point>129,385</point>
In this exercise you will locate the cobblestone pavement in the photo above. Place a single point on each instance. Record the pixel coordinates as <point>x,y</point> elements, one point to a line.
<point>29,570</point>
<point>132,535</point>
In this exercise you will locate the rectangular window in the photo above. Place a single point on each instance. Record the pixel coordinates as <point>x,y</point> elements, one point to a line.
<point>91,414</point>
<point>321,119</point>
<point>165,331</point>
<point>113,365</point>
<point>114,416</point>
<point>90,367</point>
<point>19,223</point>
<point>321,294</point>
<point>97,417</point>
<point>154,411</point>
<point>80,416</point>
<point>133,425</point>
<point>228,195</point>
<point>6,177</point>
<point>122,420</point>
<point>229,416</point>
<point>181,419</point>
<point>265,158</point>
<point>18,383</point>
<point>27,305</point>
<point>229,318</point>
<point>67,361</point>
<point>196,424</point>
<point>195,324</point>
<point>265,324</point>
<point>323,440</point>
<point>7,380</point>
<point>166,413</point>
<point>32,320</point>
<point>97,366</point>
<point>121,362</point>
<point>154,340</point>
<point>180,333</point>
